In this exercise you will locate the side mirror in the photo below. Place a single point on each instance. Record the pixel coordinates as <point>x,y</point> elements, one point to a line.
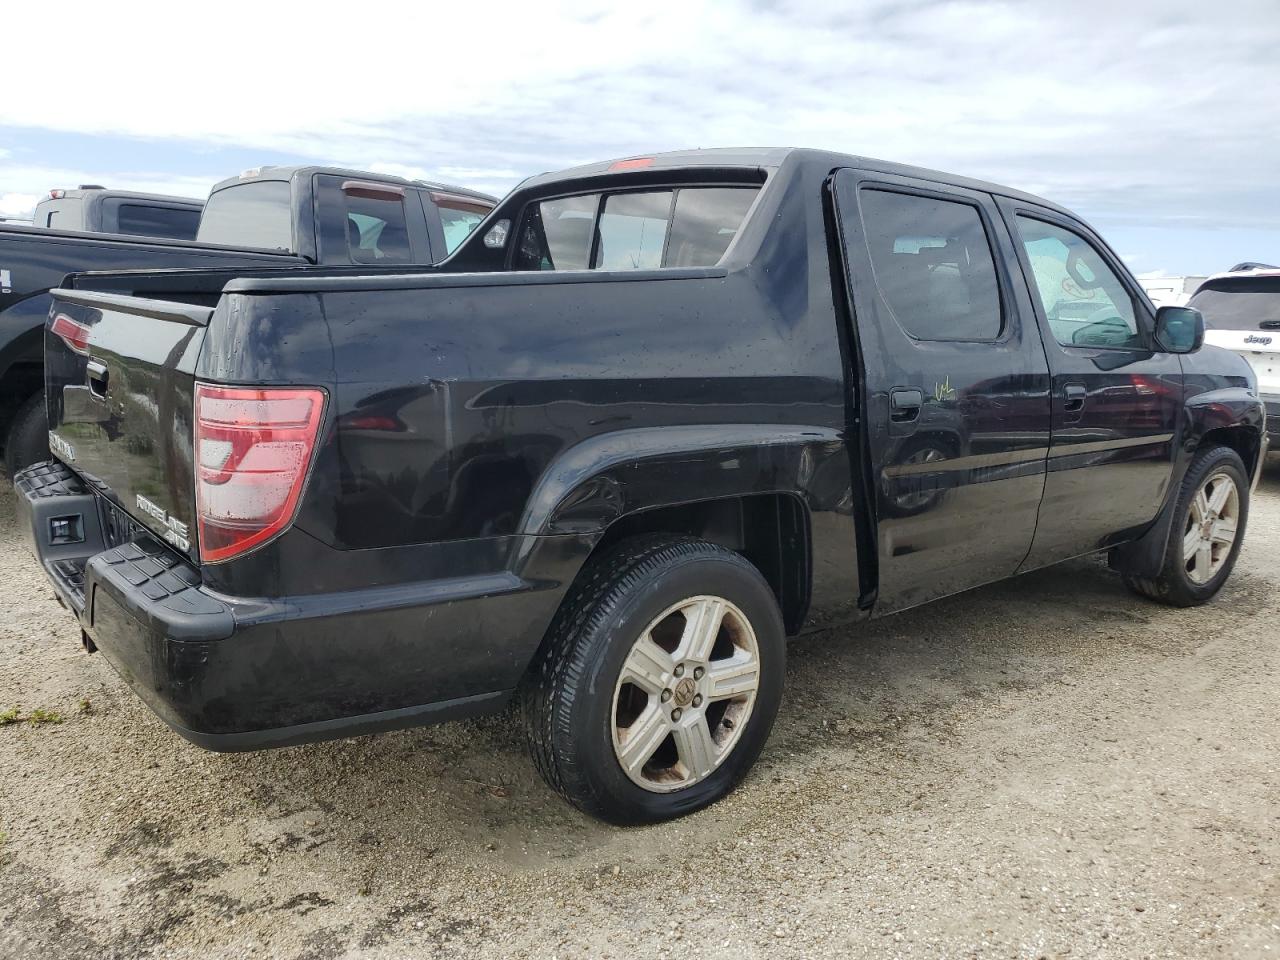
<point>1179,329</point>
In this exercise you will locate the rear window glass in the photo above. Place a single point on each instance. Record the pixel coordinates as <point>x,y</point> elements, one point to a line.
<point>932,265</point>
<point>376,230</point>
<point>148,221</point>
<point>1247,305</point>
<point>258,214</point>
<point>633,230</point>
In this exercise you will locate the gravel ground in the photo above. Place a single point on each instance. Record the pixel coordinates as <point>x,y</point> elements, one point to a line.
<point>1041,768</point>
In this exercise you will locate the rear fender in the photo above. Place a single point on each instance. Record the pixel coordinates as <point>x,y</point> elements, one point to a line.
<point>607,477</point>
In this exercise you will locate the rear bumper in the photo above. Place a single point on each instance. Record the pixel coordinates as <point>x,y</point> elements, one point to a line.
<point>1273,420</point>
<point>233,673</point>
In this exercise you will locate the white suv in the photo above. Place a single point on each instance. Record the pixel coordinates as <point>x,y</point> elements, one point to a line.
<point>1242,313</point>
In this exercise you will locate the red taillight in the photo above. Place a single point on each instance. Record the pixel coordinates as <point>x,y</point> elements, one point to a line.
<point>73,333</point>
<point>253,447</point>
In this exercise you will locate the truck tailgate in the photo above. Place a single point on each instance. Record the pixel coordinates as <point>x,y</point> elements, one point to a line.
<point>119,384</point>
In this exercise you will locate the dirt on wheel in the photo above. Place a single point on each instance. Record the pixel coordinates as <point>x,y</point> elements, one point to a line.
<point>1046,767</point>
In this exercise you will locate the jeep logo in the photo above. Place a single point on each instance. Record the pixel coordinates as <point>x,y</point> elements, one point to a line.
<point>1255,339</point>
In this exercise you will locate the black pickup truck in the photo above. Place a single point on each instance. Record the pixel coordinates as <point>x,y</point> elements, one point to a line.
<point>649,419</point>
<point>294,216</point>
<point>94,209</point>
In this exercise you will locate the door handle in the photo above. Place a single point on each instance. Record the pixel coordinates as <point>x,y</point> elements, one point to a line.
<point>905,404</point>
<point>1074,396</point>
<point>96,374</point>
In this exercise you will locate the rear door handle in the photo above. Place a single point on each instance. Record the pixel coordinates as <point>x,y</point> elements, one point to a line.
<point>96,374</point>
<point>1074,396</point>
<point>905,404</point>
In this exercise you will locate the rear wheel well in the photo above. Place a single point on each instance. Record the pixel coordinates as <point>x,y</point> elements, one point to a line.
<point>1243,440</point>
<point>23,379</point>
<point>769,530</point>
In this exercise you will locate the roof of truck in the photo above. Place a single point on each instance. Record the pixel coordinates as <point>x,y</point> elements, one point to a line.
<point>79,193</point>
<point>306,170</point>
<point>770,158</point>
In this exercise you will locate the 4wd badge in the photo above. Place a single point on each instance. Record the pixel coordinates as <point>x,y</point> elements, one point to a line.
<point>64,450</point>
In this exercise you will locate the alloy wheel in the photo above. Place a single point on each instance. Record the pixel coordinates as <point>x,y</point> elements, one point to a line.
<point>685,693</point>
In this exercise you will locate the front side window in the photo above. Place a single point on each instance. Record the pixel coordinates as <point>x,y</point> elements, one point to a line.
<point>1084,301</point>
<point>932,265</point>
<point>633,230</point>
<point>458,220</point>
<point>255,214</point>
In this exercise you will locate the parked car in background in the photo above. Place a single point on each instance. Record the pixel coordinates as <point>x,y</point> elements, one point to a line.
<point>1170,291</point>
<point>94,209</point>
<point>282,216</point>
<point>651,417</point>
<point>1242,313</point>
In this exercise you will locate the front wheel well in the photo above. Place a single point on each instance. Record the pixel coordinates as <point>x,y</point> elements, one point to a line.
<point>771,530</point>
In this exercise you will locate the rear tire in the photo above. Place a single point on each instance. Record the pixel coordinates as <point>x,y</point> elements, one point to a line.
<point>1205,534</point>
<point>28,439</point>
<point>666,656</point>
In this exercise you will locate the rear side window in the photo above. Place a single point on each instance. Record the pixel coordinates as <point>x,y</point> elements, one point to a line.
<point>256,214</point>
<point>1084,300</point>
<point>1246,303</point>
<point>633,230</point>
<point>145,220</point>
<point>932,264</point>
<point>557,234</point>
<point>376,228</point>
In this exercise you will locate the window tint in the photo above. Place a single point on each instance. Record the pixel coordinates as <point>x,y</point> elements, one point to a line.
<point>932,265</point>
<point>376,229</point>
<point>557,234</point>
<point>635,230</point>
<point>705,222</point>
<point>257,214</point>
<point>1084,300</point>
<point>149,221</point>
<point>1243,304</point>
<point>458,222</point>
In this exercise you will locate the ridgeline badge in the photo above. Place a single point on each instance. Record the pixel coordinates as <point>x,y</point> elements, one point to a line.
<point>175,531</point>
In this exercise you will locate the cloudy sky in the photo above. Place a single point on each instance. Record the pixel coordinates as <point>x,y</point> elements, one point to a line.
<point>1159,122</point>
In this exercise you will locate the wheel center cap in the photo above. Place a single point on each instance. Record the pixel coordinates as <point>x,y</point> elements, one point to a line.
<point>684,691</point>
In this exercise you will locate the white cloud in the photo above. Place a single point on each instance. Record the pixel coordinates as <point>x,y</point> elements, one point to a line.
<point>18,204</point>
<point>1136,112</point>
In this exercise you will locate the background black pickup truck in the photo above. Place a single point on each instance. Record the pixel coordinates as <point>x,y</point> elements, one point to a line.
<point>93,209</point>
<point>650,418</point>
<point>274,215</point>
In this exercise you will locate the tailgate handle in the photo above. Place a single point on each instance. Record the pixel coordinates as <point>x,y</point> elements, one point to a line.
<point>96,373</point>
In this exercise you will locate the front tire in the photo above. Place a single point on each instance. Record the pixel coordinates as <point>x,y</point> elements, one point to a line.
<point>1206,531</point>
<point>659,681</point>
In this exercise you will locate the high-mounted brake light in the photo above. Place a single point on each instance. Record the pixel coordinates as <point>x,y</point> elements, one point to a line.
<point>72,332</point>
<point>57,194</point>
<point>253,449</point>
<point>635,163</point>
